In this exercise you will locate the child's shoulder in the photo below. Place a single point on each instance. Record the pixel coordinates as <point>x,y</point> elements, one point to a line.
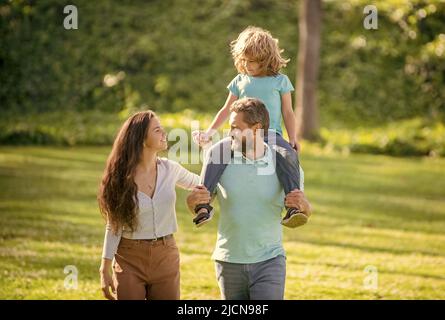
<point>283,80</point>
<point>239,77</point>
<point>281,76</point>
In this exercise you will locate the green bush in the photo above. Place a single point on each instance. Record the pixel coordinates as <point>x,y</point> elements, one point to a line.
<point>173,55</point>
<point>415,137</point>
<point>85,128</point>
<point>404,138</point>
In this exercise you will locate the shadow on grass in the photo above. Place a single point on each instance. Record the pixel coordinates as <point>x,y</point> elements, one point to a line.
<point>368,249</point>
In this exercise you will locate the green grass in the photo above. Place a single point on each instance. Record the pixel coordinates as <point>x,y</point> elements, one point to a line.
<point>369,210</point>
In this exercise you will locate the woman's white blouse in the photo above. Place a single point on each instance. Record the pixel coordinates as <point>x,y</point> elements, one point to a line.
<point>157,215</point>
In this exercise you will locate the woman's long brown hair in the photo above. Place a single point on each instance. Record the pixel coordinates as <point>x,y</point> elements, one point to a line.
<point>117,195</point>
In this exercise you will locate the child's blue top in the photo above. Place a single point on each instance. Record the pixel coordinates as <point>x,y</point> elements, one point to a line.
<point>268,89</point>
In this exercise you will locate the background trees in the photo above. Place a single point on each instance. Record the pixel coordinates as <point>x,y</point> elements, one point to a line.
<point>174,55</point>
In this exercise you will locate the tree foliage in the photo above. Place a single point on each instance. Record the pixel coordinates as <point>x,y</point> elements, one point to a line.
<point>172,55</point>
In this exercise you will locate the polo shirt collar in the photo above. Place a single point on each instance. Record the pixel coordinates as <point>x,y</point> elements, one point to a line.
<point>264,160</point>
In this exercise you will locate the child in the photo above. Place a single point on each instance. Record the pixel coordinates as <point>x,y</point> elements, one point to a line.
<point>258,60</point>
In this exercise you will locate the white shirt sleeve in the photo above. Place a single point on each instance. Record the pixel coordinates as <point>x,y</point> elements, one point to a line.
<point>111,242</point>
<point>184,178</point>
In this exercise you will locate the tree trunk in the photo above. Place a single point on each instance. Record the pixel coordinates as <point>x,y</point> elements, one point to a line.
<point>306,109</point>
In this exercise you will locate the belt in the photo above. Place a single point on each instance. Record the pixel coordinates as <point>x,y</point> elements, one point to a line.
<point>169,236</point>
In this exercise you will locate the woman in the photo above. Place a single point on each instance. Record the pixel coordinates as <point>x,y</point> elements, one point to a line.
<point>137,198</point>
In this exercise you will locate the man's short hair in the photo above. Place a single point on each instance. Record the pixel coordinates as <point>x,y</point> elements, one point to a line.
<point>254,112</point>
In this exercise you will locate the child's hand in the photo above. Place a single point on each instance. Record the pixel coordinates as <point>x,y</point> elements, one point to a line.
<point>295,145</point>
<point>200,138</point>
<point>195,136</point>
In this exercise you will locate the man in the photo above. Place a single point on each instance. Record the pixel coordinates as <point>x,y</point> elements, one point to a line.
<point>249,254</point>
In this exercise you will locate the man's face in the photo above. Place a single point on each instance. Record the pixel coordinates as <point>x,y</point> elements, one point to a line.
<point>243,136</point>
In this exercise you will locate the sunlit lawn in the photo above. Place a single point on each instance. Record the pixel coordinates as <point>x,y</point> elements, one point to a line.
<point>369,212</point>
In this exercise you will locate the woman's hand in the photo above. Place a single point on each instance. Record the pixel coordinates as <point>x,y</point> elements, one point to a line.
<point>106,280</point>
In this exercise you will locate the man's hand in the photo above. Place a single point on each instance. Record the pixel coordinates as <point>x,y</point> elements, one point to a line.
<point>297,199</point>
<point>199,195</point>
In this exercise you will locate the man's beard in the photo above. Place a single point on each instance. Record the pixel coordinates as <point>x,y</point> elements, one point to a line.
<point>242,145</point>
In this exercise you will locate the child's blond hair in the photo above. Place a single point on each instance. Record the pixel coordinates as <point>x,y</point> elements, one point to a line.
<point>258,44</point>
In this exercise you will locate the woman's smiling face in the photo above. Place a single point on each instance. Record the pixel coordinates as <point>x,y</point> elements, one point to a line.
<point>156,136</point>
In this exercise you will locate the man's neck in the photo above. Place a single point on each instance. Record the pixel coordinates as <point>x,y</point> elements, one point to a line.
<point>257,151</point>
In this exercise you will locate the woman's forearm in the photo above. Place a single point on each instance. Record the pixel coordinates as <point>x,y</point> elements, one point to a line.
<point>105,264</point>
<point>111,242</point>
